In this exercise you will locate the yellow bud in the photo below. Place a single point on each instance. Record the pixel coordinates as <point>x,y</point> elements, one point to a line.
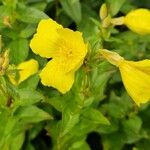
<point>138,21</point>
<point>117,21</point>
<point>106,22</point>
<point>6,60</point>
<point>6,21</point>
<point>113,57</point>
<point>24,70</point>
<point>0,43</point>
<point>1,61</point>
<point>103,12</point>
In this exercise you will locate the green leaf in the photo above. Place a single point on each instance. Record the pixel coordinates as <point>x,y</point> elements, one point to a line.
<point>19,139</point>
<point>115,5</point>
<point>69,121</point>
<point>86,25</point>
<point>31,114</point>
<point>30,83</point>
<point>56,102</point>
<point>18,50</point>
<point>28,97</point>
<point>144,144</point>
<point>72,8</point>
<point>132,128</point>
<point>95,116</point>
<point>3,99</point>
<point>99,78</point>
<point>118,107</point>
<point>3,118</point>
<point>28,31</point>
<point>113,141</point>
<point>29,14</point>
<point>4,11</point>
<point>80,145</point>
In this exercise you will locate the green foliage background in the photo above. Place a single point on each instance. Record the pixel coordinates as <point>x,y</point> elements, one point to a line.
<point>97,113</point>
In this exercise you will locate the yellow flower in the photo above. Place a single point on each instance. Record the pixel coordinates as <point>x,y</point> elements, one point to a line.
<point>25,70</point>
<point>138,21</point>
<point>67,50</point>
<point>135,75</point>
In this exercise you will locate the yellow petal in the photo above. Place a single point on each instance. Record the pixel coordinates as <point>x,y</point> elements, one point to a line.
<point>136,78</point>
<point>53,75</point>
<point>43,42</point>
<point>138,21</point>
<point>25,70</point>
<point>70,49</point>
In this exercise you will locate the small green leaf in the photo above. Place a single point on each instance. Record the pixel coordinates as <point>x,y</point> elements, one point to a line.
<point>80,145</point>
<point>30,83</point>
<point>28,31</point>
<point>18,50</point>
<point>69,121</point>
<point>132,128</point>
<point>113,141</point>
<point>115,5</point>
<point>72,8</point>
<point>95,116</point>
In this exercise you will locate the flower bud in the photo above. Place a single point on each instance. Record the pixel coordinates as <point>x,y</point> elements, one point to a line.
<point>106,22</point>
<point>6,60</point>
<point>6,21</point>
<point>103,12</point>
<point>138,21</point>
<point>118,21</point>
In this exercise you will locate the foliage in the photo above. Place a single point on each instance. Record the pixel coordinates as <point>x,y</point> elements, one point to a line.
<point>35,117</point>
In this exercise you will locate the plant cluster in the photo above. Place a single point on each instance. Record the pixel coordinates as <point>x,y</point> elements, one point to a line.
<point>74,75</point>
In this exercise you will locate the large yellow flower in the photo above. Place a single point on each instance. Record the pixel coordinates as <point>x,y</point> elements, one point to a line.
<point>135,76</point>
<point>67,50</point>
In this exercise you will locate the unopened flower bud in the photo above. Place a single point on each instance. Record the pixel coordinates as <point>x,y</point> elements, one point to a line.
<point>6,21</point>
<point>103,12</point>
<point>6,60</point>
<point>118,21</point>
<point>1,61</point>
<point>106,22</point>
<point>138,21</point>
